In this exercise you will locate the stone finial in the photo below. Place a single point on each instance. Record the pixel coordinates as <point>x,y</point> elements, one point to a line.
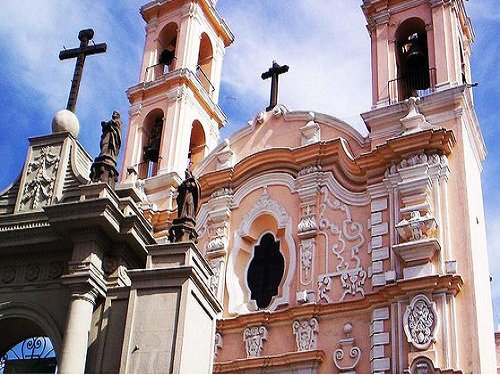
<point>414,121</point>
<point>66,121</point>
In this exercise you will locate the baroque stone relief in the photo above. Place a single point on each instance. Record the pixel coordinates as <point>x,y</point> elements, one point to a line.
<point>216,266</point>
<point>347,356</point>
<point>254,338</point>
<point>307,250</point>
<point>40,178</point>
<point>343,238</point>
<point>218,343</point>
<point>420,321</point>
<point>306,333</point>
<point>417,227</point>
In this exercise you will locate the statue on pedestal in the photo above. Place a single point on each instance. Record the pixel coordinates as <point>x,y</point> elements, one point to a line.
<point>188,197</point>
<point>104,166</point>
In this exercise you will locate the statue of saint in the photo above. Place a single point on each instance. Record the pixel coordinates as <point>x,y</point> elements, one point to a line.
<point>111,138</point>
<point>188,197</point>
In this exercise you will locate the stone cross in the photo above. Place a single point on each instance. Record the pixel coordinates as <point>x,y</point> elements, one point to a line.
<point>273,73</point>
<point>80,53</point>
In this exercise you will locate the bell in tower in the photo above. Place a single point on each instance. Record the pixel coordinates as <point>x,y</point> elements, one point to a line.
<point>413,59</point>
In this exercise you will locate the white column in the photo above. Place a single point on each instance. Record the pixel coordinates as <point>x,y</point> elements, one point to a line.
<point>76,333</point>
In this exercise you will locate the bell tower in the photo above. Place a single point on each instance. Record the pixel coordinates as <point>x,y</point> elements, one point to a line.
<point>174,118</point>
<point>418,47</point>
<point>422,90</point>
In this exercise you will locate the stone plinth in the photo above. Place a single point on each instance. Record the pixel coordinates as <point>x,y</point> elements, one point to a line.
<point>171,313</point>
<point>182,229</point>
<point>104,169</point>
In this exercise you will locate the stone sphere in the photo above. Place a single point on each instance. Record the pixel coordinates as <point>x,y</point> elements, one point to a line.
<point>348,328</point>
<point>66,121</point>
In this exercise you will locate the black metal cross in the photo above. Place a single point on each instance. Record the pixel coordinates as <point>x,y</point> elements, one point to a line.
<point>273,73</point>
<point>80,53</point>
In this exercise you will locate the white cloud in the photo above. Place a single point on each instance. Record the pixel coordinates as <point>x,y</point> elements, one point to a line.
<point>328,55</point>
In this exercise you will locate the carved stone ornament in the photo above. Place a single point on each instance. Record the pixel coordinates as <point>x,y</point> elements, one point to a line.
<point>40,179</point>
<point>341,233</point>
<point>216,265</point>
<point>414,121</point>
<point>307,250</point>
<point>417,227</point>
<point>306,334</point>
<point>218,343</point>
<point>347,356</point>
<point>254,338</point>
<point>420,322</point>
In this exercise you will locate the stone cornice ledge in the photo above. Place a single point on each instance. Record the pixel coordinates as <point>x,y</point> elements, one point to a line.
<point>450,284</point>
<point>310,359</point>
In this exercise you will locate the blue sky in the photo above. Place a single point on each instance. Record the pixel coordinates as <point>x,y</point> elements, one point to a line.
<point>324,42</point>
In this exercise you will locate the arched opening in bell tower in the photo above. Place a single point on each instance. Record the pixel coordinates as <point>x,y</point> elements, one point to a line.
<point>167,41</point>
<point>414,75</point>
<point>151,139</point>
<point>197,144</point>
<point>204,66</point>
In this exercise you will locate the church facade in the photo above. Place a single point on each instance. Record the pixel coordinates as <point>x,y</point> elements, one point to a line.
<point>319,249</point>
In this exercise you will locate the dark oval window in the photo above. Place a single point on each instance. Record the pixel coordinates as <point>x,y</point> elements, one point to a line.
<point>265,270</point>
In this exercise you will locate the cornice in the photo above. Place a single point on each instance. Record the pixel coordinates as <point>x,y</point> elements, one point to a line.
<point>173,82</point>
<point>450,284</point>
<point>258,365</point>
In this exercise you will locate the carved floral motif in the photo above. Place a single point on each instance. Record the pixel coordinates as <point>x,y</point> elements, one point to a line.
<point>306,334</point>
<point>254,338</point>
<point>41,176</point>
<point>420,321</point>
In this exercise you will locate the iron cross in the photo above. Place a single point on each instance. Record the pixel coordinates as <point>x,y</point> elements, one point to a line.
<point>80,53</point>
<point>273,73</point>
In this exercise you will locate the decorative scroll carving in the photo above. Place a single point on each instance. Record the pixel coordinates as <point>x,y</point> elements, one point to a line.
<point>32,272</point>
<point>347,345</point>
<point>40,179</point>
<point>353,281</point>
<point>218,343</point>
<point>420,322</point>
<point>417,159</point>
<point>307,250</point>
<point>417,227</point>
<point>324,286</point>
<point>347,233</point>
<point>216,265</point>
<point>306,334</point>
<point>254,338</point>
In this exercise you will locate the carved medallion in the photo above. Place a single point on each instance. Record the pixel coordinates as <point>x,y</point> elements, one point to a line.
<point>420,321</point>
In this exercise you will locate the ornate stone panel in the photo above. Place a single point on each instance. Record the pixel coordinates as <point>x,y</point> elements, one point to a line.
<point>40,178</point>
<point>306,333</point>
<point>254,338</point>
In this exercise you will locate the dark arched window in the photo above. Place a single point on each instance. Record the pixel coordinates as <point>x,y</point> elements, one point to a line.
<point>265,270</point>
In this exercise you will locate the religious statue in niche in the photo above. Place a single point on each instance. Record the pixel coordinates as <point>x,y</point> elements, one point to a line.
<point>104,166</point>
<point>188,196</point>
